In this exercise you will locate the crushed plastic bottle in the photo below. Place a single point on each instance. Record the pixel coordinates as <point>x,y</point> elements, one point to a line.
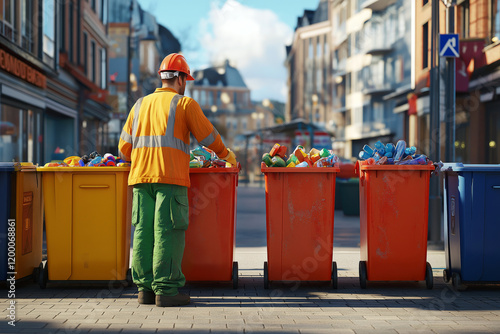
<point>391,154</point>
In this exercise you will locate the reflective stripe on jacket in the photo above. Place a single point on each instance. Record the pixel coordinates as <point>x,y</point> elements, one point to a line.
<point>155,137</point>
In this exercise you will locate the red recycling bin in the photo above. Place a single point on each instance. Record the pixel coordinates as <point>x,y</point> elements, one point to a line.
<point>210,237</point>
<point>300,206</point>
<point>394,207</point>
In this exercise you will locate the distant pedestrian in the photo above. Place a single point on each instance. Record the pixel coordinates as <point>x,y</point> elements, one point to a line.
<point>155,139</point>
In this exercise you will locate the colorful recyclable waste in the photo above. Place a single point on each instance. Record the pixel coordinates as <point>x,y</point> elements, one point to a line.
<point>392,155</point>
<point>299,158</point>
<point>94,159</point>
<point>202,157</point>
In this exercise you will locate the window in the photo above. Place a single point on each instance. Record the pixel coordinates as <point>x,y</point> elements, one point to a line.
<point>8,18</point>
<point>495,21</point>
<point>211,98</point>
<point>425,45</point>
<point>27,25</point>
<point>93,5</point>
<point>318,47</point>
<point>70,32</point>
<point>103,13</point>
<point>93,65</point>
<point>104,70</point>
<point>464,12</point>
<point>311,50</point>
<point>378,111</point>
<point>86,53</point>
<point>203,98</point>
<point>20,130</point>
<point>424,2</point>
<point>49,28</point>
<point>62,27</point>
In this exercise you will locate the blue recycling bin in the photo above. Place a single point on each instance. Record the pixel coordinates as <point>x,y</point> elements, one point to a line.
<point>471,223</point>
<point>6,171</point>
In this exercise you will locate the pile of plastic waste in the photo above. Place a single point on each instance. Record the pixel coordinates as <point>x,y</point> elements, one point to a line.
<point>94,159</point>
<point>203,157</point>
<point>391,154</point>
<point>299,158</point>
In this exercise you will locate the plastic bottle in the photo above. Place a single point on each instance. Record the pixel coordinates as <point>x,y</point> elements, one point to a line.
<point>382,161</point>
<point>389,150</point>
<point>368,150</point>
<point>380,148</point>
<point>324,153</point>
<point>266,158</point>
<point>410,150</point>
<point>400,150</point>
<point>363,155</point>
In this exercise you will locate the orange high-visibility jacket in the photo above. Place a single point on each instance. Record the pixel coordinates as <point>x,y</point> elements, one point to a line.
<point>155,137</point>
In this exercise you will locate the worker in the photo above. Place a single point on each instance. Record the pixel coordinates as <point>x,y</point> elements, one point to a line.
<point>155,139</point>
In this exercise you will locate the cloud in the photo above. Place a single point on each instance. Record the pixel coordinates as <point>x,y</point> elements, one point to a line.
<point>254,42</point>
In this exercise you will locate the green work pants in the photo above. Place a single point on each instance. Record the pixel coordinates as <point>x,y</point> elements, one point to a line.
<point>160,217</point>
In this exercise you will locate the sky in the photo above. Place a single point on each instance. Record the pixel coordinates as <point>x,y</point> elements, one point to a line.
<point>251,34</point>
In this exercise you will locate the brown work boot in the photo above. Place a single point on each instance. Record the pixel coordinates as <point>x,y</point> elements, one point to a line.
<point>177,300</point>
<point>146,297</point>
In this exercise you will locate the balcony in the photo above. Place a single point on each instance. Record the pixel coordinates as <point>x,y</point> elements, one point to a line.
<point>379,50</point>
<point>378,89</point>
<point>377,5</point>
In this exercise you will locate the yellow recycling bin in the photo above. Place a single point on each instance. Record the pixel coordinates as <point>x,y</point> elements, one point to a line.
<point>27,212</point>
<point>87,224</point>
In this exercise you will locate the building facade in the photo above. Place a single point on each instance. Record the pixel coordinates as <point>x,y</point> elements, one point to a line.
<point>309,66</point>
<point>225,99</point>
<point>350,71</point>
<point>372,71</point>
<point>53,77</point>
<point>134,62</point>
<point>477,75</point>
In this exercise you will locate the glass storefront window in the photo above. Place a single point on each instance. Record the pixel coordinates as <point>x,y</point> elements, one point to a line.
<point>19,134</point>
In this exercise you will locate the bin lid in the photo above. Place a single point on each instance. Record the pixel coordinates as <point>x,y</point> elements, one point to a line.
<point>7,166</point>
<point>300,170</point>
<point>107,169</point>
<point>460,167</point>
<point>397,167</point>
<point>230,170</point>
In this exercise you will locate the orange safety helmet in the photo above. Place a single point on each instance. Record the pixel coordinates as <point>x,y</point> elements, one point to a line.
<point>175,62</point>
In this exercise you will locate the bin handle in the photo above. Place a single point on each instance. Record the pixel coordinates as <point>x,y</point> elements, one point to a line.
<point>95,186</point>
<point>495,187</point>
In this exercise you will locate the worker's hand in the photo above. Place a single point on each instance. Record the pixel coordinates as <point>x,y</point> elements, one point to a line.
<point>231,158</point>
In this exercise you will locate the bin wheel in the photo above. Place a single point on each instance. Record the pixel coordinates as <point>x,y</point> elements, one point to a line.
<point>362,274</point>
<point>130,282</point>
<point>456,281</point>
<point>43,277</point>
<point>429,277</point>
<point>235,275</point>
<point>334,275</point>
<point>266,277</point>
<point>446,276</point>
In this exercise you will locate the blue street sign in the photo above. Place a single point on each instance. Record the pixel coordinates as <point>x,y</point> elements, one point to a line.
<point>448,45</point>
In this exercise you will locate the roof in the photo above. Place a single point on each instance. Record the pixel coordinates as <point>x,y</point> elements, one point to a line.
<point>169,43</point>
<point>225,75</point>
<point>314,16</point>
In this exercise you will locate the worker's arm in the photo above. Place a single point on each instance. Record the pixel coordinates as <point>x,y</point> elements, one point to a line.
<point>125,144</point>
<point>205,133</point>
